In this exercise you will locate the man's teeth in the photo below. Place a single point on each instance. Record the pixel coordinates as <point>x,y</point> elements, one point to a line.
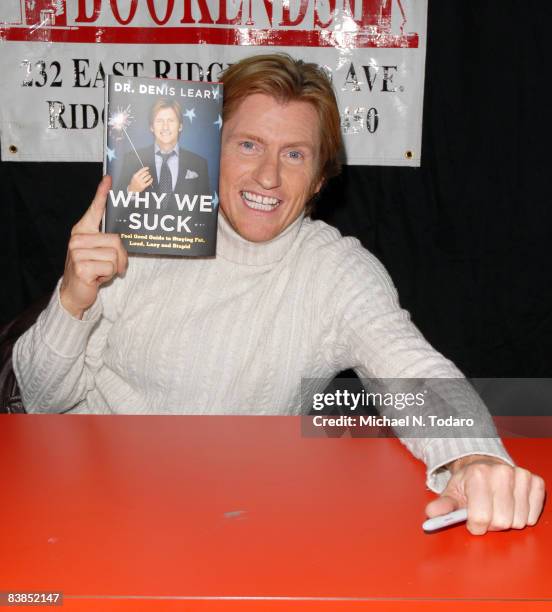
<point>259,202</point>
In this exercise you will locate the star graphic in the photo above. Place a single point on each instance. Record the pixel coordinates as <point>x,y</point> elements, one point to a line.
<point>216,92</point>
<point>190,114</point>
<point>215,199</point>
<point>110,154</point>
<point>218,122</point>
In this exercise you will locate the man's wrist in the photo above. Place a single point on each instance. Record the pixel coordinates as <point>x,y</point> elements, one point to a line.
<point>458,464</point>
<point>66,304</point>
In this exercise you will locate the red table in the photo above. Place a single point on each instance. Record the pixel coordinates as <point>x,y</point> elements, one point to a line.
<point>243,513</point>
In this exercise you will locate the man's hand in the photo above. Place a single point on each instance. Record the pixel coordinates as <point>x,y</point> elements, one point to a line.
<point>140,181</point>
<point>496,495</point>
<point>93,258</point>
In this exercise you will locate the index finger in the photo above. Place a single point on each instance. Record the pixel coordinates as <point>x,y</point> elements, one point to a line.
<point>90,221</point>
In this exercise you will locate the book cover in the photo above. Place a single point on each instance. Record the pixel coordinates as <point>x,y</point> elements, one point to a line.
<point>162,150</point>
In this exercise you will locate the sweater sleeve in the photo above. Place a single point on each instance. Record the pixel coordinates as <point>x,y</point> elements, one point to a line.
<point>372,334</point>
<point>55,361</point>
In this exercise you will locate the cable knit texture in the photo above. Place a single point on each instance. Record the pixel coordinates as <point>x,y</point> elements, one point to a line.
<point>235,334</point>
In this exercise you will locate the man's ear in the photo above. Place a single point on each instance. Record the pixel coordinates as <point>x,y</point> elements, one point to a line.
<point>318,186</point>
<point>151,129</point>
<point>180,128</point>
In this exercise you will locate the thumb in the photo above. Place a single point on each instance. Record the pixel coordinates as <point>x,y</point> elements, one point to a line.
<point>90,221</point>
<point>442,505</point>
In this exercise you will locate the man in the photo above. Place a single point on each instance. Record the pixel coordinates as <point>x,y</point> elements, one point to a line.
<point>167,168</point>
<point>286,298</point>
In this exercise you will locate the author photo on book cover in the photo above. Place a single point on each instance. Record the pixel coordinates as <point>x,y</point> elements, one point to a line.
<point>168,167</point>
<point>286,299</point>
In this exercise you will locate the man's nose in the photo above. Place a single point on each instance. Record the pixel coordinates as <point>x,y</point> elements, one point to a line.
<point>267,172</point>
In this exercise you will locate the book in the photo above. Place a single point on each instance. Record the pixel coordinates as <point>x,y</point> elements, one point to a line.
<point>162,150</point>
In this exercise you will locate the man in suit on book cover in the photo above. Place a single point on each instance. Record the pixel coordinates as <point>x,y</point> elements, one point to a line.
<point>166,166</point>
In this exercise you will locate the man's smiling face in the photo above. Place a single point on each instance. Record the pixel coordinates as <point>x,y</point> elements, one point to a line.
<point>269,165</point>
<point>166,129</point>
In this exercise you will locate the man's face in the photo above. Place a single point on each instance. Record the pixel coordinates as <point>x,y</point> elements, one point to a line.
<point>269,164</point>
<point>166,129</point>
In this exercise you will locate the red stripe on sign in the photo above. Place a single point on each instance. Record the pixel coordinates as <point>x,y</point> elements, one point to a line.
<point>211,36</point>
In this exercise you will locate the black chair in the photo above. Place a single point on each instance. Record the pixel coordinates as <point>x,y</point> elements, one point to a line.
<point>10,396</point>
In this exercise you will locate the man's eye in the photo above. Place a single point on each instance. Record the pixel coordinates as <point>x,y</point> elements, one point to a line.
<point>295,155</point>
<point>247,145</point>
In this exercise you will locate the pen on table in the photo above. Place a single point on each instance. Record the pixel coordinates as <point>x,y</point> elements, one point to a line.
<point>445,520</point>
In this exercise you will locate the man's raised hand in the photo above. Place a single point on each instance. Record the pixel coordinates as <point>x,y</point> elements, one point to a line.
<point>140,180</point>
<point>93,258</point>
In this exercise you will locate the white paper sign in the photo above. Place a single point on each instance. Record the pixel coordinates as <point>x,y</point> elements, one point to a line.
<point>55,55</point>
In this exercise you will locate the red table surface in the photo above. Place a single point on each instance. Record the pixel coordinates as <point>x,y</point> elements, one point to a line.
<point>243,513</point>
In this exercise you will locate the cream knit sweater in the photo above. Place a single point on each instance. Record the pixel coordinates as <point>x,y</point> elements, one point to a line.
<point>235,335</point>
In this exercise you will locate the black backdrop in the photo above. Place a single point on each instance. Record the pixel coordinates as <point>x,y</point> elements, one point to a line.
<point>466,237</point>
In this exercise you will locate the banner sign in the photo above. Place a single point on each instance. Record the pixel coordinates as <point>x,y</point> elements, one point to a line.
<point>55,55</point>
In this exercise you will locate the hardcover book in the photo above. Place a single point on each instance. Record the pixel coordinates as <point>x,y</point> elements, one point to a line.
<point>162,150</point>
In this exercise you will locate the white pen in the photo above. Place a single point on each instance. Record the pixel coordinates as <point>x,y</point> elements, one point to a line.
<point>445,520</point>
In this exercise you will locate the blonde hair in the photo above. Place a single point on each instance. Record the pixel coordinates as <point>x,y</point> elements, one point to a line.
<point>162,103</point>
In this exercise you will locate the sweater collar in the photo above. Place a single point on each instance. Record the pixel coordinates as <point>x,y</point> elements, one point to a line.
<point>232,247</point>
